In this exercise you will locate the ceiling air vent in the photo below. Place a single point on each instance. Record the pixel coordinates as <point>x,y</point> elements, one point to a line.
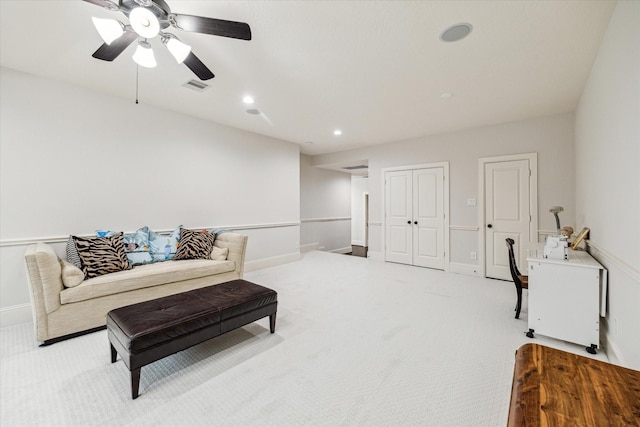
<point>350,168</point>
<point>196,85</point>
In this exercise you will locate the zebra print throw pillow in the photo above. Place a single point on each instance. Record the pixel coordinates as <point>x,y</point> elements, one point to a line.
<point>101,255</point>
<point>195,244</point>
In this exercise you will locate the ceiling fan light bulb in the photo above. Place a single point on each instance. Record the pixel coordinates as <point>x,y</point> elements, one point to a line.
<point>144,55</point>
<point>179,50</point>
<point>109,29</point>
<point>144,22</point>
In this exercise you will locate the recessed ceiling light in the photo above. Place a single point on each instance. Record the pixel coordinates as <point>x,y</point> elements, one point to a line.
<point>337,132</point>
<point>446,95</point>
<point>456,32</point>
<point>309,142</point>
<point>253,111</point>
<point>248,100</point>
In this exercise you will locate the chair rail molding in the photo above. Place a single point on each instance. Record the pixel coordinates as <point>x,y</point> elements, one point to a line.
<point>61,239</point>
<point>327,219</point>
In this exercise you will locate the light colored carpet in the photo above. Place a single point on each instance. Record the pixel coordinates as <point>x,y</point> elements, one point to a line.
<point>357,342</point>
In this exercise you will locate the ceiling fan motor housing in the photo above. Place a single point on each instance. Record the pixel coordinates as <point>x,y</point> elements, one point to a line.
<point>159,8</point>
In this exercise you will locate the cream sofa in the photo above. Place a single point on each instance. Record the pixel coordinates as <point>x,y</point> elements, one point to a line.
<point>60,312</point>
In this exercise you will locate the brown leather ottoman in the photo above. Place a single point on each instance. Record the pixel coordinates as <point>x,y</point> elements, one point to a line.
<point>148,331</point>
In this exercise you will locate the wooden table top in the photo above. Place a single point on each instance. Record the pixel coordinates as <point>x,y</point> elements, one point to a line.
<point>556,388</point>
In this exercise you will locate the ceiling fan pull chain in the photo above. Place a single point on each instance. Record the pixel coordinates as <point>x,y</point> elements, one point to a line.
<point>137,72</point>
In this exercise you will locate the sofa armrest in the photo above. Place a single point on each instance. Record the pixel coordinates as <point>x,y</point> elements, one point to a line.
<point>45,276</point>
<point>237,244</point>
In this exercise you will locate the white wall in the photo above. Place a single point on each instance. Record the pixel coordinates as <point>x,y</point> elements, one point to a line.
<point>73,161</point>
<point>325,208</point>
<point>359,186</point>
<point>608,175</point>
<point>551,137</point>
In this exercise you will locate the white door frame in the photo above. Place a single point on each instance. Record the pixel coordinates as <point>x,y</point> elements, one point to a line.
<point>365,202</point>
<point>445,166</point>
<point>533,204</point>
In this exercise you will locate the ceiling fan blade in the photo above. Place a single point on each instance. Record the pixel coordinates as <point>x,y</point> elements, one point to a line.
<point>107,4</point>
<point>109,52</point>
<point>215,27</point>
<point>198,68</point>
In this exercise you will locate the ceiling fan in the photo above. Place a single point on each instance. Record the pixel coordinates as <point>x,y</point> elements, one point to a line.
<point>148,19</point>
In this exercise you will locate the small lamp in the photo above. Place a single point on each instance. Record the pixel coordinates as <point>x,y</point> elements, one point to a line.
<point>179,50</point>
<point>555,210</point>
<point>144,55</point>
<point>109,29</point>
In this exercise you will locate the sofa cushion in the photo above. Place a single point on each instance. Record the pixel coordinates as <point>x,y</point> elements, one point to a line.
<point>195,244</point>
<point>136,244</point>
<point>144,276</point>
<point>164,247</point>
<point>72,253</point>
<point>219,254</point>
<point>101,255</point>
<point>72,276</point>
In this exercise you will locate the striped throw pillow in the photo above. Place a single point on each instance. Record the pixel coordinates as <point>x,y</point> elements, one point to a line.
<point>101,255</point>
<point>195,244</point>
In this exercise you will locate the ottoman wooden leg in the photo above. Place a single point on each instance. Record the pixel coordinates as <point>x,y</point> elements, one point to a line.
<point>272,322</point>
<point>114,354</point>
<point>135,383</point>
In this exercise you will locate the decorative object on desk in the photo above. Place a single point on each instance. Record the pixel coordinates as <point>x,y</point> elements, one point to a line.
<point>556,246</point>
<point>584,233</point>
<point>566,231</point>
<point>555,210</point>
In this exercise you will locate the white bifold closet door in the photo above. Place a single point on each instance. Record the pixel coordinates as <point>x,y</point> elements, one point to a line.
<point>414,217</point>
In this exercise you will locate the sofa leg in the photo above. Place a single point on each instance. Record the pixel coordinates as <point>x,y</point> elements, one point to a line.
<point>114,353</point>
<point>135,383</point>
<point>272,322</point>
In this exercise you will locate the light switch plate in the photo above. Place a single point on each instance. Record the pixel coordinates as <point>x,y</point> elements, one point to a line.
<point>471,202</point>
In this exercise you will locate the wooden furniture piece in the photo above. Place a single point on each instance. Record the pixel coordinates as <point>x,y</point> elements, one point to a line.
<point>148,331</point>
<point>556,388</point>
<point>566,297</point>
<point>521,282</point>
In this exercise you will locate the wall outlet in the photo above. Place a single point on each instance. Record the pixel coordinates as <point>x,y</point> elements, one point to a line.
<point>473,255</point>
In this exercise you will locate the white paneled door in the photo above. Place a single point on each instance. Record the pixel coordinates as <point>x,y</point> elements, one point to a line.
<point>507,214</point>
<point>415,217</point>
<point>399,217</point>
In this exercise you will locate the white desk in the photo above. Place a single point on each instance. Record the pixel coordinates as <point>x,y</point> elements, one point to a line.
<point>566,297</point>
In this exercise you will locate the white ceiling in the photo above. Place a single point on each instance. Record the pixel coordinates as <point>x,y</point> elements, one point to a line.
<point>374,69</point>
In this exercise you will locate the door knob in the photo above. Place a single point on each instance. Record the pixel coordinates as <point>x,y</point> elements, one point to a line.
<point>415,222</point>
<point>489,226</point>
<point>409,222</point>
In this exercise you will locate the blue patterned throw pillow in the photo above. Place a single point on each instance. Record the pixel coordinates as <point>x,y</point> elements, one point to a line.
<point>163,247</point>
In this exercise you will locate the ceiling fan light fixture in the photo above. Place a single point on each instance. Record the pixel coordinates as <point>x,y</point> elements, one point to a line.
<point>144,22</point>
<point>144,55</point>
<point>178,49</point>
<point>109,29</point>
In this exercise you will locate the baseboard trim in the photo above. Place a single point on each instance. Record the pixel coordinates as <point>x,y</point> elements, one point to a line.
<point>309,247</point>
<point>15,315</point>
<point>466,269</point>
<point>345,250</point>
<point>259,264</point>
<point>375,256</point>
<point>613,353</point>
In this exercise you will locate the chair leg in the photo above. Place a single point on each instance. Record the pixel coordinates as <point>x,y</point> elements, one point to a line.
<point>519,304</point>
